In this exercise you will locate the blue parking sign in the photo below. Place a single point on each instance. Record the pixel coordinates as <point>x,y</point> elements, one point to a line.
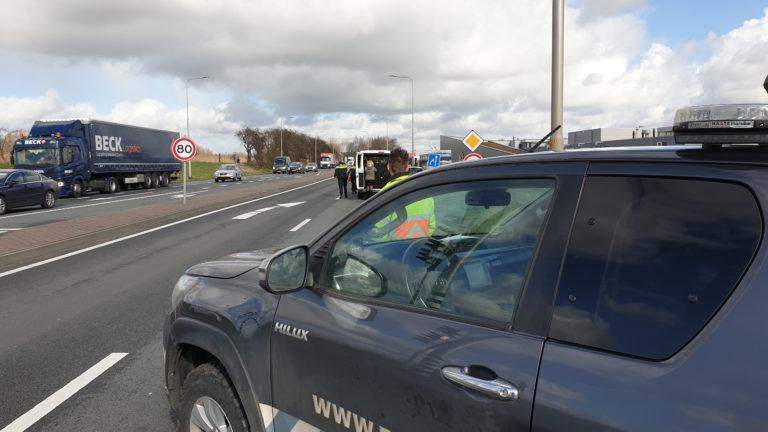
<point>434,160</point>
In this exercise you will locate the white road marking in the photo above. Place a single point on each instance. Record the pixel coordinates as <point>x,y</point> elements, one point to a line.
<point>262,210</point>
<point>85,205</point>
<point>253,213</point>
<point>121,239</point>
<point>5,230</point>
<point>298,227</point>
<point>56,399</point>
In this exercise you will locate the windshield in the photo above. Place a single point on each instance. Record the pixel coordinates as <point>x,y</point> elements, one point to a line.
<point>3,175</point>
<point>325,158</point>
<point>37,157</point>
<point>279,161</point>
<point>227,168</point>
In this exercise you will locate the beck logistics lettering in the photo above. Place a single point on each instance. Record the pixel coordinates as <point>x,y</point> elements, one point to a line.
<point>108,143</point>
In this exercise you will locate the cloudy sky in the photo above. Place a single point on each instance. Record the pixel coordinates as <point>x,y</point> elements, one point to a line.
<point>322,67</point>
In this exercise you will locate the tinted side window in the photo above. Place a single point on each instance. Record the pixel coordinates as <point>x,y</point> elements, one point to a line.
<point>651,260</point>
<point>30,177</point>
<point>462,248</point>
<point>15,177</point>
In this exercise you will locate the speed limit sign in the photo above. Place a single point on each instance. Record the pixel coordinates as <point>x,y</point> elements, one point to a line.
<point>184,149</point>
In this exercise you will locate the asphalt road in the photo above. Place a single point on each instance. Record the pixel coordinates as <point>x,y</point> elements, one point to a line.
<point>95,204</point>
<point>62,319</point>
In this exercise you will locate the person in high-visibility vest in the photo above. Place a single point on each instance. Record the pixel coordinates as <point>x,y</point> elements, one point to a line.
<point>420,220</point>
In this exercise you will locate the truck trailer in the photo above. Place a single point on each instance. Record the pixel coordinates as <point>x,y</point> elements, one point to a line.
<point>82,155</point>
<point>327,160</point>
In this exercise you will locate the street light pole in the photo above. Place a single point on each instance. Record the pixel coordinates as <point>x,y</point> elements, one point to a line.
<point>412,134</point>
<point>187,92</point>
<point>556,141</point>
<point>316,149</point>
<point>281,135</point>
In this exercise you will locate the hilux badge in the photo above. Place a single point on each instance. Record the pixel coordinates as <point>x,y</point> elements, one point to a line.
<point>291,331</point>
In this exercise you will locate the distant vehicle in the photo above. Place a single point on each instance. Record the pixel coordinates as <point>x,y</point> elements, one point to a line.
<point>587,290</point>
<point>228,172</point>
<point>312,167</point>
<point>83,155</point>
<point>414,169</point>
<point>296,167</point>
<point>21,188</point>
<point>327,160</point>
<point>380,160</point>
<point>281,165</point>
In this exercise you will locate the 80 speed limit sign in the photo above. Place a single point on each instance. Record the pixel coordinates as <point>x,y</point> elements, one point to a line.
<point>184,149</point>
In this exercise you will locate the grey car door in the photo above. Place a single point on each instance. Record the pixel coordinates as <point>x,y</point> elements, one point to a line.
<point>409,332</point>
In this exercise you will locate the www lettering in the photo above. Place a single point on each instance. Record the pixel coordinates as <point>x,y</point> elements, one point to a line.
<point>344,417</point>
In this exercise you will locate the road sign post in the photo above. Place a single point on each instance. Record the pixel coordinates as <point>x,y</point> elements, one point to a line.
<point>184,149</point>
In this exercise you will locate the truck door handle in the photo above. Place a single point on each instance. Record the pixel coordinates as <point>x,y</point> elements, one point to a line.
<point>496,388</point>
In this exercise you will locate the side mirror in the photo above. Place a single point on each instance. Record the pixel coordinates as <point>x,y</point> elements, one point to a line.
<point>357,277</point>
<point>284,271</point>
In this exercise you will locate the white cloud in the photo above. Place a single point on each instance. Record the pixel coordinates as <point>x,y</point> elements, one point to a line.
<point>476,65</point>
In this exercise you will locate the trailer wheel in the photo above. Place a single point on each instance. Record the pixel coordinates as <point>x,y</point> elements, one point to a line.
<point>77,189</point>
<point>164,179</point>
<point>147,181</point>
<point>111,186</point>
<point>49,200</point>
<point>155,181</point>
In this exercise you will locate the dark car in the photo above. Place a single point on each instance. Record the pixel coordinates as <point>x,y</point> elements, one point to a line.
<point>414,169</point>
<point>281,165</point>
<point>22,188</point>
<point>611,290</point>
<point>296,167</point>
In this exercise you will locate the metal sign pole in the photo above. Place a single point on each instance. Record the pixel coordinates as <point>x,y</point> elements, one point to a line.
<point>184,202</point>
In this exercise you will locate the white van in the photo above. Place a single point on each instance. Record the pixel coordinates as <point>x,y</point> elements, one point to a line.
<point>380,160</point>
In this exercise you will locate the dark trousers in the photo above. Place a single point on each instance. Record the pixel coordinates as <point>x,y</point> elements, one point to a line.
<point>342,187</point>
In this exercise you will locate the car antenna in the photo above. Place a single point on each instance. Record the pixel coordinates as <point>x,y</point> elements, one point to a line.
<point>535,146</point>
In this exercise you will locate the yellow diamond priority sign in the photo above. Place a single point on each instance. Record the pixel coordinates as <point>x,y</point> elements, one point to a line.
<point>472,140</point>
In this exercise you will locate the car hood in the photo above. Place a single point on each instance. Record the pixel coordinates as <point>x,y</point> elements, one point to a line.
<point>232,265</point>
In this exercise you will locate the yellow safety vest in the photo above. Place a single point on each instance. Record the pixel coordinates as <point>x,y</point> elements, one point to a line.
<point>420,219</point>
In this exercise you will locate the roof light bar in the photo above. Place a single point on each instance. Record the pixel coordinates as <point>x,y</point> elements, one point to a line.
<point>722,124</point>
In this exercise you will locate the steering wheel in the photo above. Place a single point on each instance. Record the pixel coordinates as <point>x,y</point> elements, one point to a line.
<point>415,268</point>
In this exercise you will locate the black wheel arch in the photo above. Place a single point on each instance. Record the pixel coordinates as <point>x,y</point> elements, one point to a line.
<point>192,343</point>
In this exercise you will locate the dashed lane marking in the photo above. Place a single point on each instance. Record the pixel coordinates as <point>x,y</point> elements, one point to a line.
<point>49,404</point>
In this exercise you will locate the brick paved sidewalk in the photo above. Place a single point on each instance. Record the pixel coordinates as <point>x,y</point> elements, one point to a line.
<point>18,248</point>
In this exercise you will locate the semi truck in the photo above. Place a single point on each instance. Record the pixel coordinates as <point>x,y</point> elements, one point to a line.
<point>83,154</point>
<point>327,160</point>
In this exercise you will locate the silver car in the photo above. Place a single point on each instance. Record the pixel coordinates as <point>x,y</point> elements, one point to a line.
<point>228,172</point>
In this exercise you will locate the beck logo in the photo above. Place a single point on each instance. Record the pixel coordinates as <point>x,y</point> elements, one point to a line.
<point>291,331</point>
<point>108,143</point>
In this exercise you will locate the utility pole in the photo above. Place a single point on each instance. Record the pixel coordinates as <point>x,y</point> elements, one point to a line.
<point>556,142</point>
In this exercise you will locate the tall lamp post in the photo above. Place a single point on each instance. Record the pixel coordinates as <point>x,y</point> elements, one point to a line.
<point>411,79</point>
<point>281,135</point>
<point>187,91</point>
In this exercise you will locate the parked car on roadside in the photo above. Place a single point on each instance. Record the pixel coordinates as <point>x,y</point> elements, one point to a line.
<point>22,188</point>
<point>414,169</point>
<point>613,290</point>
<point>311,167</point>
<point>296,168</point>
<point>228,172</point>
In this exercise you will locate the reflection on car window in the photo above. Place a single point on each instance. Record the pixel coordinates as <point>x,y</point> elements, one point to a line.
<point>473,263</point>
<point>647,269</point>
